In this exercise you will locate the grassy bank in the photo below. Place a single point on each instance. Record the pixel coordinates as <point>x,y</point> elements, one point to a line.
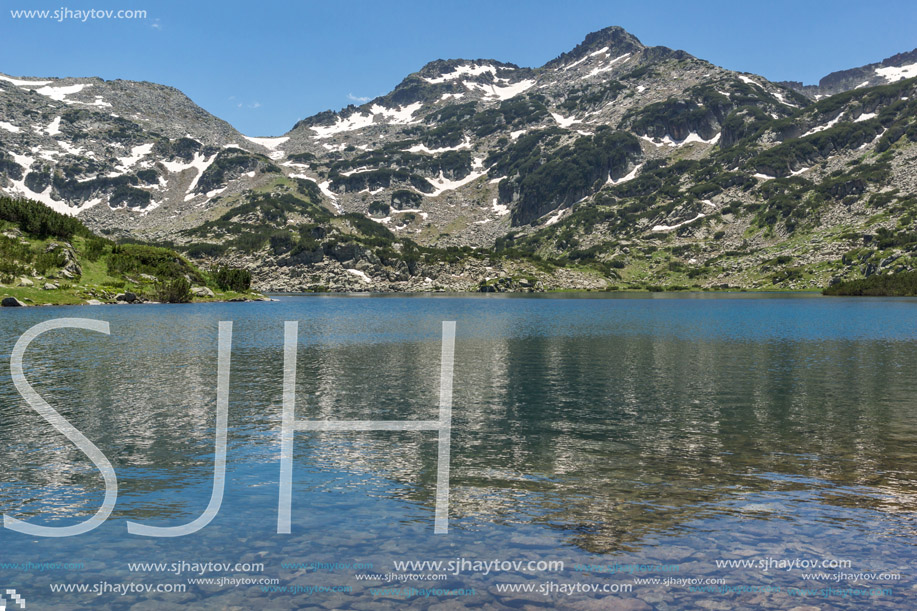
<point>891,285</point>
<point>48,258</point>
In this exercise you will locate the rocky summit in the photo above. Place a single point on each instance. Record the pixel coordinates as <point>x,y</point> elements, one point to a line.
<point>613,166</point>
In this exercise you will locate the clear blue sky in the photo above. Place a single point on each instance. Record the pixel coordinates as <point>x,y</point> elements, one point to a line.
<point>264,65</point>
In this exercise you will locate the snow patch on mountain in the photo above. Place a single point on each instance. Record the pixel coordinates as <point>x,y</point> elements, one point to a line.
<point>59,94</point>
<point>45,198</point>
<point>21,83</point>
<point>443,184</point>
<point>324,187</point>
<point>97,102</point>
<point>779,95</point>
<point>420,148</point>
<point>359,274</point>
<point>198,162</point>
<point>74,150</point>
<point>351,123</point>
<point>629,176</point>
<point>576,63</point>
<point>608,66</point>
<point>400,116</point>
<point>499,209</point>
<point>54,127</point>
<point>9,127</point>
<point>137,153</point>
<point>268,143</point>
<point>564,121</point>
<point>493,92</point>
<point>554,219</point>
<point>897,73</point>
<point>468,70</point>
<point>691,137</point>
<point>23,160</point>
<point>659,228</point>
<point>821,128</point>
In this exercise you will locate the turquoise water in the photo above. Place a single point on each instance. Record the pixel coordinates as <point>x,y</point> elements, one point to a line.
<point>631,438</point>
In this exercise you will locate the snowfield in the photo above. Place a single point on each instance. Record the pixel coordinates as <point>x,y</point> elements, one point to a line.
<point>137,153</point>
<point>268,143</point>
<point>420,148</point>
<point>399,116</point>
<point>630,176</point>
<point>59,93</point>
<point>564,121</point>
<point>659,228</point>
<point>897,73</point>
<point>691,137</point>
<point>24,84</point>
<point>444,184</point>
<point>608,66</point>
<point>54,127</point>
<point>471,70</point>
<point>501,92</point>
<point>821,128</point>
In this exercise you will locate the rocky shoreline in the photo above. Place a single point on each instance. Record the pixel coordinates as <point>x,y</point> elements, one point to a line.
<point>13,302</point>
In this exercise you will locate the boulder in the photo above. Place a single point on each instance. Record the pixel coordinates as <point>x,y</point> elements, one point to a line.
<point>72,269</point>
<point>126,297</point>
<point>347,251</point>
<point>201,291</point>
<point>11,302</point>
<point>25,282</point>
<point>50,286</point>
<point>304,257</point>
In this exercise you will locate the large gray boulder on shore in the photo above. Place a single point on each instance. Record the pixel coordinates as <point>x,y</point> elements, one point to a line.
<point>202,291</point>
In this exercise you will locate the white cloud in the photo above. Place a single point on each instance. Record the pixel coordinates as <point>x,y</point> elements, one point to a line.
<point>356,98</point>
<point>156,25</point>
<point>242,104</point>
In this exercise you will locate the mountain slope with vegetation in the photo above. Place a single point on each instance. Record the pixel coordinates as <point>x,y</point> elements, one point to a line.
<point>614,166</point>
<point>50,258</point>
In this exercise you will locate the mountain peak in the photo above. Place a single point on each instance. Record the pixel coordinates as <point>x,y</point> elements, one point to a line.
<point>616,39</point>
<point>612,35</point>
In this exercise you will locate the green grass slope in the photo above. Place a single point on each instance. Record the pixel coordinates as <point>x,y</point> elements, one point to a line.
<point>50,258</point>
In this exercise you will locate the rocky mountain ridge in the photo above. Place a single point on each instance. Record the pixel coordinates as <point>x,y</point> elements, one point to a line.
<point>889,70</point>
<point>482,174</point>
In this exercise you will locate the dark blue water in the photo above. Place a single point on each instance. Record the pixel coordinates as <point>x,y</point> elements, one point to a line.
<point>690,451</point>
